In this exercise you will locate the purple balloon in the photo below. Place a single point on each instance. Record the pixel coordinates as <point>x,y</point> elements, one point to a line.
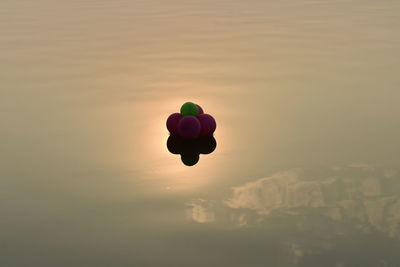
<point>189,127</point>
<point>200,110</point>
<point>208,124</point>
<point>173,123</point>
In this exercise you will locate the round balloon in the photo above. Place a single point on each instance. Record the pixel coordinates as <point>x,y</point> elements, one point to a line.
<point>206,144</point>
<point>190,159</point>
<point>173,122</point>
<point>189,109</point>
<point>208,124</point>
<point>200,109</point>
<point>175,144</point>
<point>189,127</point>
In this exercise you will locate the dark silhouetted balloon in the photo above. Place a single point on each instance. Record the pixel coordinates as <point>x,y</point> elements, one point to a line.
<point>201,145</point>
<point>189,127</point>
<point>191,148</point>
<point>208,124</point>
<point>206,144</point>
<point>175,144</point>
<point>190,159</point>
<point>189,109</point>
<point>173,122</point>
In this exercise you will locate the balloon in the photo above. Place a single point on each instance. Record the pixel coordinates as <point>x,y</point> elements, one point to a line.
<point>189,127</point>
<point>173,122</point>
<point>189,149</point>
<point>200,109</point>
<point>175,144</point>
<point>208,124</point>
<point>189,109</point>
<point>201,145</point>
<point>205,144</point>
<point>191,133</point>
<point>190,159</point>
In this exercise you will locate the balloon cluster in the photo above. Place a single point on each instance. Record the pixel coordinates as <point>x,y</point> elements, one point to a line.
<point>191,133</point>
<point>191,122</point>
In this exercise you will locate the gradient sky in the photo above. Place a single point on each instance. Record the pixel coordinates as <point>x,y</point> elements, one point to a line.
<point>306,97</point>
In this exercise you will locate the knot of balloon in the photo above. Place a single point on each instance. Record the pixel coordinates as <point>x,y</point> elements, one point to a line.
<point>191,133</point>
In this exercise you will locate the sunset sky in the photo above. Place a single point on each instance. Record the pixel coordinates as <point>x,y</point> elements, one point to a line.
<point>306,97</point>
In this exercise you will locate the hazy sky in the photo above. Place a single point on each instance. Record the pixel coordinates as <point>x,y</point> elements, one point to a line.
<point>306,98</point>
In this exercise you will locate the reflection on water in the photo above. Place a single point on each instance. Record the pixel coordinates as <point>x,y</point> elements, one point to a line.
<point>190,149</point>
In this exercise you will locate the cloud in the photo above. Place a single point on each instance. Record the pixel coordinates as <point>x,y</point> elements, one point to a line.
<point>361,165</point>
<point>201,211</point>
<point>358,193</point>
<point>281,190</point>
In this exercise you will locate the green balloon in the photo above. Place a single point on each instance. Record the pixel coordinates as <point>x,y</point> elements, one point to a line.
<point>190,159</point>
<point>189,108</point>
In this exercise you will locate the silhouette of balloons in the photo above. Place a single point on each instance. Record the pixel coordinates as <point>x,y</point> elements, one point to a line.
<point>206,144</point>
<point>190,159</point>
<point>190,149</point>
<point>175,144</point>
